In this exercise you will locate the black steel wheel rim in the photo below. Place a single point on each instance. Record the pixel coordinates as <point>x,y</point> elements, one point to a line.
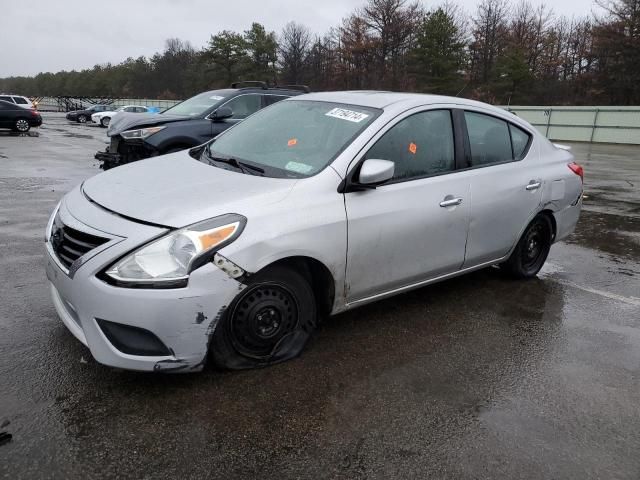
<point>262,318</point>
<point>534,246</point>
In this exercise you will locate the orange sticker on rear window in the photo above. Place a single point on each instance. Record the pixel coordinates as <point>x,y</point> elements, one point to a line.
<point>413,148</point>
<point>292,142</point>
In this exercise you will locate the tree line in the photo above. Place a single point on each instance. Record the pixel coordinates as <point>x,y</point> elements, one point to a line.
<point>502,53</point>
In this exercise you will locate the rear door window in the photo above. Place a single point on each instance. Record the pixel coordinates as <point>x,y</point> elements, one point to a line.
<point>20,101</point>
<point>489,139</point>
<point>6,98</point>
<point>420,145</point>
<point>520,141</point>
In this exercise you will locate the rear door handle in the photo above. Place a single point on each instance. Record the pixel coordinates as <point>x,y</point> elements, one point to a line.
<point>533,185</point>
<point>451,202</point>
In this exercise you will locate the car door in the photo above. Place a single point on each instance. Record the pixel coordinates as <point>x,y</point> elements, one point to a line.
<point>505,185</point>
<point>415,226</point>
<point>6,117</point>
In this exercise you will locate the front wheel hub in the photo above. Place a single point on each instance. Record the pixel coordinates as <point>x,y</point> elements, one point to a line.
<point>263,316</point>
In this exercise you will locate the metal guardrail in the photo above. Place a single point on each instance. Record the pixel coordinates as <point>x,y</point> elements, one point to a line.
<point>584,124</point>
<point>68,103</point>
<point>600,124</point>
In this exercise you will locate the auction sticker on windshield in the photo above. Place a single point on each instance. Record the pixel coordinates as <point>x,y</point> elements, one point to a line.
<point>348,115</point>
<point>298,167</point>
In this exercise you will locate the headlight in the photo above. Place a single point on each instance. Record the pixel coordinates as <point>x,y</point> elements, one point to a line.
<point>169,260</point>
<point>141,133</point>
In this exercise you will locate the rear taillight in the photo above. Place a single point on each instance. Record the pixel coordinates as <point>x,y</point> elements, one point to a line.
<point>34,113</point>
<point>577,169</point>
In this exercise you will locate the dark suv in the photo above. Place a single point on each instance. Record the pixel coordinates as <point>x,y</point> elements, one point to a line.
<point>189,123</point>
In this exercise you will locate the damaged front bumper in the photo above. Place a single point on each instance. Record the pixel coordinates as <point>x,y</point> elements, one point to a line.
<point>120,152</point>
<point>155,330</point>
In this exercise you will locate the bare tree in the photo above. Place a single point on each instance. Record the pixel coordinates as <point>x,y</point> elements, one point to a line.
<point>490,27</point>
<point>295,41</point>
<point>393,24</point>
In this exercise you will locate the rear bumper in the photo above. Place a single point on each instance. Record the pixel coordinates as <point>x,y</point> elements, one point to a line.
<point>567,219</point>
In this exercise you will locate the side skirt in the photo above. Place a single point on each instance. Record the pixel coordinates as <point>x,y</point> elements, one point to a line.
<point>413,286</point>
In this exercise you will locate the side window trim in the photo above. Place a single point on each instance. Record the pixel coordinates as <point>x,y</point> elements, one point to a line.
<point>470,166</point>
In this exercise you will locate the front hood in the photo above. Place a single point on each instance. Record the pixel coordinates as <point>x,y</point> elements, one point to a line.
<point>175,190</point>
<point>127,120</point>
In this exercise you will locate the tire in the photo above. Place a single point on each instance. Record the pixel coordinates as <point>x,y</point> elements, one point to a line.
<point>104,122</point>
<point>22,125</point>
<point>532,249</point>
<point>269,322</point>
<point>82,119</point>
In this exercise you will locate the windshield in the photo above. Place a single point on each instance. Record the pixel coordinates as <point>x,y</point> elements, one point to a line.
<point>198,105</point>
<point>294,138</point>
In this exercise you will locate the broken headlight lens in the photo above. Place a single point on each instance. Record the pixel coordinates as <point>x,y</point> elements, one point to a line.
<point>173,257</point>
<point>140,133</point>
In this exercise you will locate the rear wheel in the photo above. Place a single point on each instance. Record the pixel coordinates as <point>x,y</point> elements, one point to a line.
<point>82,119</point>
<point>22,125</point>
<point>104,122</point>
<point>532,250</point>
<point>269,322</point>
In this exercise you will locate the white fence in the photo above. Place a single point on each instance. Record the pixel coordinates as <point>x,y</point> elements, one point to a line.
<point>578,124</point>
<point>584,124</point>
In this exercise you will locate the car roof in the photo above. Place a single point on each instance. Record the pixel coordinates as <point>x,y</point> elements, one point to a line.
<point>384,100</point>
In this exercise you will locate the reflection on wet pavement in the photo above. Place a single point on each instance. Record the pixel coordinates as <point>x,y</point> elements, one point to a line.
<point>476,377</point>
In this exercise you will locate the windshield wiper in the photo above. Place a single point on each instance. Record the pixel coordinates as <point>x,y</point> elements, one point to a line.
<point>242,166</point>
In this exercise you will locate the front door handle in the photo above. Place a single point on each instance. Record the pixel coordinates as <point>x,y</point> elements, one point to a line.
<point>450,202</point>
<point>533,185</point>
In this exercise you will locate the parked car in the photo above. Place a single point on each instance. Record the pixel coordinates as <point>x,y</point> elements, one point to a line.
<point>103,118</point>
<point>237,247</point>
<point>17,118</point>
<point>83,116</point>
<point>18,100</point>
<point>189,123</point>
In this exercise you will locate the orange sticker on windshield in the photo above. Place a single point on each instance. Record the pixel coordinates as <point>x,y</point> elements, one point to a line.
<point>292,142</point>
<point>413,148</point>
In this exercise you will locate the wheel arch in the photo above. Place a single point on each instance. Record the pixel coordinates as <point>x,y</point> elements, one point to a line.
<point>552,218</point>
<point>319,275</point>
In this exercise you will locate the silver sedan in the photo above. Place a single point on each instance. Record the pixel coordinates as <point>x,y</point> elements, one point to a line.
<point>232,251</point>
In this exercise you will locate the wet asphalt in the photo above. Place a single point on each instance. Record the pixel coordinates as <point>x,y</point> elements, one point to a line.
<point>476,377</point>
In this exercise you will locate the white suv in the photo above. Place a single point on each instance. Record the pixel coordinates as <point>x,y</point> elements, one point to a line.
<point>18,100</point>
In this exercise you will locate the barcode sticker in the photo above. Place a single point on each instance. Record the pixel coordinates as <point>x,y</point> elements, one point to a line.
<point>349,115</point>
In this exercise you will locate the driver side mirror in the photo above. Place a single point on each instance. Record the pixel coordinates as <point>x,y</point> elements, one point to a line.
<point>221,113</point>
<point>375,172</point>
<point>372,173</point>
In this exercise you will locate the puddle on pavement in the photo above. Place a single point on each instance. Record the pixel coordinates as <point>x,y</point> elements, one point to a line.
<point>30,133</point>
<point>618,235</point>
<point>78,135</point>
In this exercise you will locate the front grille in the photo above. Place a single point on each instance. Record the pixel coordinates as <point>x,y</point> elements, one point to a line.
<point>70,244</point>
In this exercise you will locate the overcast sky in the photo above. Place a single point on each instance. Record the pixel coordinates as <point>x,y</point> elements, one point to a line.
<point>52,35</point>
